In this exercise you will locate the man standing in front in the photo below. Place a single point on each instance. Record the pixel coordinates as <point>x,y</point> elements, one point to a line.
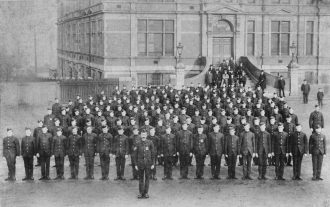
<point>263,148</point>
<point>11,150</point>
<point>74,144</point>
<point>104,144</point>
<point>44,145</point>
<point>280,150</point>
<point>145,157</point>
<point>59,152</point>
<point>168,151</point>
<point>216,149</point>
<point>305,88</point>
<point>232,150</point>
<point>185,145</point>
<point>318,150</point>
<point>28,149</point>
<point>247,150</point>
<point>200,148</point>
<point>298,150</point>
<point>89,145</point>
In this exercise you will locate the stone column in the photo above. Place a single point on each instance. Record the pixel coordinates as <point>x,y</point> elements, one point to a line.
<point>180,73</point>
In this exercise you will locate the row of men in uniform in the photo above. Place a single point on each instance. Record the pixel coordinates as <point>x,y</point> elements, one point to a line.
<point>247,145</point>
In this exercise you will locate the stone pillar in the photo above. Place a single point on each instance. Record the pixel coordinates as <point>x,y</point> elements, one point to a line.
<point>295,85</point>
<point>180,73</point>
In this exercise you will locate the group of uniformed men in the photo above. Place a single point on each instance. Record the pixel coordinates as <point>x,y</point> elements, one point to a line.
<point>166,126</point>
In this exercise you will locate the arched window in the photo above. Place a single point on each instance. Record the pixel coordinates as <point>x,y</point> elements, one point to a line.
<point>222,27</point>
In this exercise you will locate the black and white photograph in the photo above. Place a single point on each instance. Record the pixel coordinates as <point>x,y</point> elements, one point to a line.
<point>167,103</point>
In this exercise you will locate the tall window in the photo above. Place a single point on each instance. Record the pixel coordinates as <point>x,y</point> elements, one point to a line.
<point>280,38</point>
<point>73,37</point>
<point>93,43</point>
<point>309,37</point>
<point>251,37</point>
<point>155,37</point>
<point>100,37</point>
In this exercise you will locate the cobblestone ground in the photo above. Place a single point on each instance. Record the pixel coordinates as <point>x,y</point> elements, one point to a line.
<point>170,193</point>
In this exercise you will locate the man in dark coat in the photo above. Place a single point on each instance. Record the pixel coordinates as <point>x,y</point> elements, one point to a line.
<point>144,158</point>
<point>11,150</point>
<point>262,80</point>
<point>28,149</point>
<point>74,150</point>
<point>168,151</point>
<point>263,149</point>
<point>316,118</point>
<point>44,145</point>
<point>298,149</point>
<point>184,149</point>
<point>318,150</point>
<point>305,88</point>
<point>200,149</point>
<point>104,146</point>
<point>281,86</point>
<point>59,152</point>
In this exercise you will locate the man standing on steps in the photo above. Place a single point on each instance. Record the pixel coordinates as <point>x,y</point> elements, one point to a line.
<point>305,88</point>
<point>262,80</point>
<point>281,86</point>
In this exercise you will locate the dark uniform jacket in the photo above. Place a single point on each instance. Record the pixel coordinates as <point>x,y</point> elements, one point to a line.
<point>247,142</point>
<point>104,143</point>
<point>200,144</point>
<point>58,146</point>
<point>281,143</point>
<point>299,143</point>
<point>11,147</point>
<point>317,144</point>
<point>263,142</point>
<point>89,143</point>
<point>49,120</point>
<point>216,143</point>
<point>44,144</point>
<point>120,145</point>
<point>28,146</point>
<point>132,141</point>
<point>316,118</point>
<point>74,145</point>
<point>232,144</point>
<point>144,154</point>
<point>167,145</point>
<point>184,142</point>
<point>156,141</point>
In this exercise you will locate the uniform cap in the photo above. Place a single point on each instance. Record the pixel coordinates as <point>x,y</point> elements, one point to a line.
<point>228,118</point>
<point>262,123</point>
<point>272,117</point>
<point>280,124</point>
<point>27,128</point>
<point>318,126</point>
<point>184,122</point>
<point>168,126</point>
<point>120,128</point>
<point>143,131</point>
<point>40,121</point>
<point>59,129</point>
<point>231,128</point>
<point>9,129</point>
<point>135,127</point>
<point>44,126</point>
<point>132,118</point>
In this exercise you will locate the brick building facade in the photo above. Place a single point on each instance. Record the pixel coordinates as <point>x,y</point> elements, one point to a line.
<point>138,39</point>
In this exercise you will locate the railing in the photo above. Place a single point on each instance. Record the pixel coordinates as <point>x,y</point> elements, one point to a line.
<point>69,89</point>
<point>200,78</point>
<point>253,73</point>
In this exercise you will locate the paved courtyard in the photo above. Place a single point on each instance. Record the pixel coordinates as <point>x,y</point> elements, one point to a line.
<point>238,193</point>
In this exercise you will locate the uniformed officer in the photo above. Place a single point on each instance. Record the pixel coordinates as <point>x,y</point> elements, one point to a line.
<point>36,132</point>
<point>133,140</point>
<point>145,157</point>
<point>263,150</point>
<point>280,151</point>
<point>168,151</point>
<point>89,143</point>
<point>44,145</point>
<point>272,129</point>
<point>232,150</point>
<point>59,152</point>
<point>316,118</point>
<point>289,128</point>
<point>216,149</point>
<point>11,150</point>
<point>121,151</point>
<point>247,143</point>
<point>74,150</point>
<point>104,146</point>
<point>318,150</point>
<point>200,149</point>
<point>155,140</point>
<point>184,149</point>
<point>28,149</point>
<point>299,148</point>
